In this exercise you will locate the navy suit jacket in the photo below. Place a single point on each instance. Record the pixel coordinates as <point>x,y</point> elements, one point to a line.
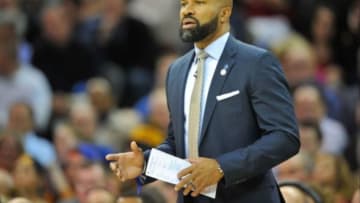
<point>248,133</point>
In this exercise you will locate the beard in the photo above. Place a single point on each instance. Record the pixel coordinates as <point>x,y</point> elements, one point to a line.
<point>200,32</point>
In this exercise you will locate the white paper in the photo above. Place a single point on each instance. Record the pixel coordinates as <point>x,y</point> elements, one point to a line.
<point>165,167</point>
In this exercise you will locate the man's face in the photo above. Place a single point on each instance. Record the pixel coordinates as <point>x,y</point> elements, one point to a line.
<point>198,19</point>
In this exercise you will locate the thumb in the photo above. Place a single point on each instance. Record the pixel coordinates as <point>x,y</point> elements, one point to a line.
<point>134,147</point>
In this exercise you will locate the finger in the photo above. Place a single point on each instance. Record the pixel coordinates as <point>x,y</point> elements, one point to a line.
<point>188,189</point>
<point>185,171</point>
<point>112,157</point>
<point>135,148</point>
<point>184,181</point>
<point>199,187</point>
<point>113,166</point>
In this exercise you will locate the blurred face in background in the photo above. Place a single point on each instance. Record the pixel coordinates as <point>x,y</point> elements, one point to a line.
<point>20,119</point>
<point>26,177</point>
<point>299,65</point>
<point>88,177</point>
<point>308,104</point>
<point>114,9</point>
<point>73,163</point>
<point>99,196</point>
<point>64,140</point>
<point>84,121</point>
<point>56,25</point>
<point>159,114</point>
<point>99,91</point>
<point>323,24</point>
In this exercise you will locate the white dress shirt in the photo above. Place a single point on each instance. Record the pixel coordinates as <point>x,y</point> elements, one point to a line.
<point>214,50</point>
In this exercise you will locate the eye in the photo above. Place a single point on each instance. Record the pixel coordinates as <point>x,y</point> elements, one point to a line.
<point>200,2</point>
<point>183,3</point>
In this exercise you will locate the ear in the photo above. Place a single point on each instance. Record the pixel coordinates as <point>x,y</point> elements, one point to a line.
<point>225,14</point>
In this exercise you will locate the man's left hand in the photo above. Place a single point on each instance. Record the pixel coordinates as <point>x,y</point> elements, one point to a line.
<point>202,173</point>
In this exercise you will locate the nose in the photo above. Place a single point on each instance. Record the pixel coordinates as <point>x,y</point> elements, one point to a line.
<point>187,10</point>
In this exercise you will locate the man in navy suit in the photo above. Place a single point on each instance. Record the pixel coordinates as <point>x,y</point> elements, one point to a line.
<point>236,98</point>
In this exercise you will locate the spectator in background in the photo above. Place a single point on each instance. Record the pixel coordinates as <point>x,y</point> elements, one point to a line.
<point>120,124</point>
<point>266,21</point>
<point>322,38</point>
<point>332,173</point>
<point>64,61</point>
<point>163,63</point>
<point>129,44</point>
<point>83,119</point>
<point>349,48</point>
<point>74,161</point>
<point>148,12</point>
<point>90,176</point>
<point>19,82</point>
<point>309,105</point>
<point>10,149</point>
<point>99,195</point>
<point>65,141</point>
<point>166,189</point>
<point>310,138</point>
<point>153,130</point>
<point>101,97</point>
<point>21,122</point>
<point>152,195</point>
<point>24,48</point>
<point>299,63</point>
<point>297,58</point>
<point>29,180</point>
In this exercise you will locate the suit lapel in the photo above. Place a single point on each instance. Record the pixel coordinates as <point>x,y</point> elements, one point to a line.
<point>180,95</point>
<point>226,62</point>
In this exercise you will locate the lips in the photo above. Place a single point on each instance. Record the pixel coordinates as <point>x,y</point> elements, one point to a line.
<point>188,23</point>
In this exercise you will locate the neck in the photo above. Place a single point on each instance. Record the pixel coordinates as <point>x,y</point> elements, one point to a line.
<point>212,37</point>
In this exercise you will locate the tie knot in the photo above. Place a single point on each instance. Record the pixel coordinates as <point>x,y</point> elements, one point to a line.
<point>202,55</point>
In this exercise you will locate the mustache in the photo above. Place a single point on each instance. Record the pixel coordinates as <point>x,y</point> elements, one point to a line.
<point>190,17</point>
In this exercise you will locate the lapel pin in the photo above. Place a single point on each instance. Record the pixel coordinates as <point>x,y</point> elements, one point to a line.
<point>223,71</point>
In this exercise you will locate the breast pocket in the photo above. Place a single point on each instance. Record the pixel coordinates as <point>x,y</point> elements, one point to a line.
<point>227,95</point>
<point>229,102</point>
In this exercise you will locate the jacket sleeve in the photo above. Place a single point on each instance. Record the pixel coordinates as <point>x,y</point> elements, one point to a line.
<point>274,113</point>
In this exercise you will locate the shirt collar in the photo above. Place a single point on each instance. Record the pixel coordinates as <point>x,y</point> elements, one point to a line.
<point>216,48</point>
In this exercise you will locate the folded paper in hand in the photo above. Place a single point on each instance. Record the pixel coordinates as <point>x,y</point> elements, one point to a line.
<point>165,167</point>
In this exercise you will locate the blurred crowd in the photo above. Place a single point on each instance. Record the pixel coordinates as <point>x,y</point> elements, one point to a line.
<point>82,78</point>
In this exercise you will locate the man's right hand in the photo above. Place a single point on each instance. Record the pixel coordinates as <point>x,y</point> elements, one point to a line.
<point>128,165</point>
